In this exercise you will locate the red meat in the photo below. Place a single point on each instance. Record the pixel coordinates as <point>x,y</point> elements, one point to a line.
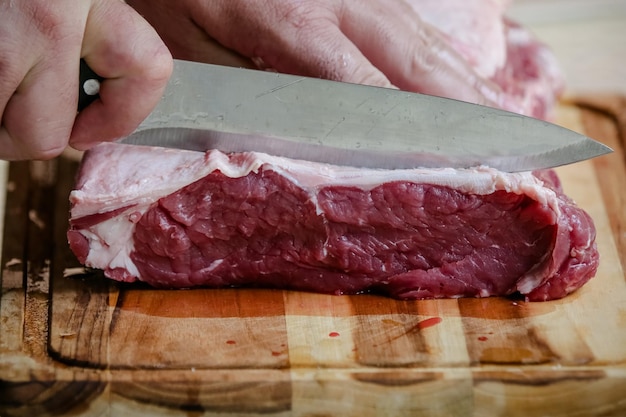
<point>179,219</point>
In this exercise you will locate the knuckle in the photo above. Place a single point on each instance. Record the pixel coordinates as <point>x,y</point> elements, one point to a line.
<point>16,147</point>
<point>161,65</point>
<point>48,18</point>
<point>36,148</point>
<point>58,26</point>
<point>153,64</point>
<point>40,141</point>
<point>298,14</point>
<point>9,78</point>
<point>12,70</point>
<point>46,153</point>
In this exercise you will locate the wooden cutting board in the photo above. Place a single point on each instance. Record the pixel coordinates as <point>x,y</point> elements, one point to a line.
<point>72,342</point>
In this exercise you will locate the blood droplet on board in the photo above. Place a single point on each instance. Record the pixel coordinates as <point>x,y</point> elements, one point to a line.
<point>482,338</point>
<point>230,342</point>
<point>333,334</point>
<point>433,321</point>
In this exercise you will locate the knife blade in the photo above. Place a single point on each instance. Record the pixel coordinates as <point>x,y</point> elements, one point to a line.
<point>232,109</point>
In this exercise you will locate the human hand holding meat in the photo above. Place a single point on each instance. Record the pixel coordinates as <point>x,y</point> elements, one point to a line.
<point>374,42</point>
<point>41,43</point>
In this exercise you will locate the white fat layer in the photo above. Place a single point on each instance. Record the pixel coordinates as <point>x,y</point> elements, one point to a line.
<point>111,243</point>
<point>117,176</point>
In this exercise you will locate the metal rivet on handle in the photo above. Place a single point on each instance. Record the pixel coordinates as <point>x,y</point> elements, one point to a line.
<point>91,87</point>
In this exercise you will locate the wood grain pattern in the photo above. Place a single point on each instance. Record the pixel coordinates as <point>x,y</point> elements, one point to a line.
<point>72,342</point>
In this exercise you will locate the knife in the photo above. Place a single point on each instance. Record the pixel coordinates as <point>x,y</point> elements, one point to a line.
<point>232,109</point>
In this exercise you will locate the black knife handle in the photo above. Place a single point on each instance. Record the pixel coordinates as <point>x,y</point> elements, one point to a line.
<point>89,85</point>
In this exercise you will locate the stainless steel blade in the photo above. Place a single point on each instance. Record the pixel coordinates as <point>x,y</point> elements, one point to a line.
<point>215,107</point>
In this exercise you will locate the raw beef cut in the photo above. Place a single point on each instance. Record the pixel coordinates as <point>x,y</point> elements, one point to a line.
<point>179,219</point>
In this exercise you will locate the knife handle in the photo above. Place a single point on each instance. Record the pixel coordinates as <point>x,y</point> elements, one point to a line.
<point>89,85</point>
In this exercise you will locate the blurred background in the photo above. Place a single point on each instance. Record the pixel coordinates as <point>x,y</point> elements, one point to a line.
<point>588,38</point>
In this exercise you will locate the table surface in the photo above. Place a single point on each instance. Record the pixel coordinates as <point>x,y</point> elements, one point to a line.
<point>587,38</point>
